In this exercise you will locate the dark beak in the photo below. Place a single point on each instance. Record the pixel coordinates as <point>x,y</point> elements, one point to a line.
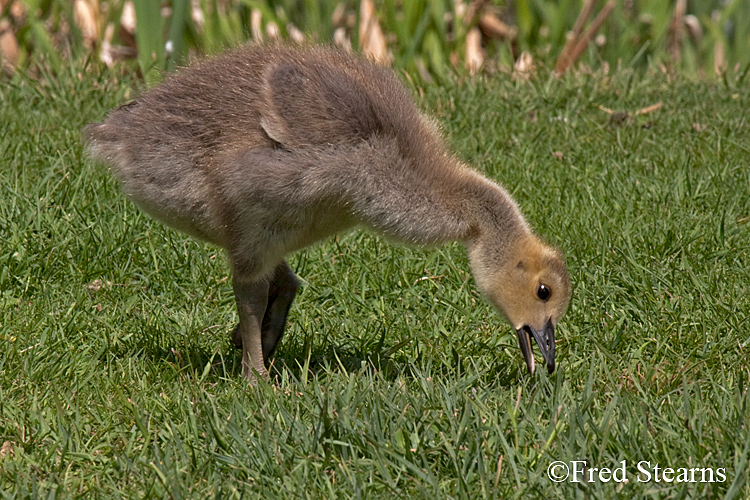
<point>546,341</point>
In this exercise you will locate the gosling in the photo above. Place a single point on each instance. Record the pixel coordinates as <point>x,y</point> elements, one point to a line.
<point>266,150</point>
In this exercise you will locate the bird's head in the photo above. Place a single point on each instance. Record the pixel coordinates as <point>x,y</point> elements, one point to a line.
<point>528,283</point>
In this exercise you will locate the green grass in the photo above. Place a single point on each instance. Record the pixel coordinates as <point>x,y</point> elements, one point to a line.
<point>395,379</point>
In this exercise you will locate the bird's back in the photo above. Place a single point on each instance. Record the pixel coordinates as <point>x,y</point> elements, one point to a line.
<point>170,146</point>
<point>261,97</point>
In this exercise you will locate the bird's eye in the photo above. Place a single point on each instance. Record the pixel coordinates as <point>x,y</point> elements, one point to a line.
<point>543,292</point>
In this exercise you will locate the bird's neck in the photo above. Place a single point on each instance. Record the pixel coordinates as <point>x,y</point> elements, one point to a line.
<point>499,234</point>
<point>428,201</point>
<point>494,218</point>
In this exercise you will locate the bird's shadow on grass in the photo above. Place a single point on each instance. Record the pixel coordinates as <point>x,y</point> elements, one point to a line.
<point>185,357</point>
<point>192,359</point>
<point>390,362</point>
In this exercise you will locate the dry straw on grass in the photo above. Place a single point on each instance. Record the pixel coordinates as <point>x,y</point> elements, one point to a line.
<point>476,36</point>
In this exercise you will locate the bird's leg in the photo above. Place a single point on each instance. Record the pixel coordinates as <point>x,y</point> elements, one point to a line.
<point>251,298</point>
<point>281,293</point>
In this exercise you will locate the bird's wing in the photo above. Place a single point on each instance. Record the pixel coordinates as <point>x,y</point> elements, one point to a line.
<point>311,103</point>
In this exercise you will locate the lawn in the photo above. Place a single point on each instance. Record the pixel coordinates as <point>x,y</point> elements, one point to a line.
<point>394,379</point>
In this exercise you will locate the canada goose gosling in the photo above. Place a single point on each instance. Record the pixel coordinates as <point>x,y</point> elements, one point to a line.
<point>265,150</point>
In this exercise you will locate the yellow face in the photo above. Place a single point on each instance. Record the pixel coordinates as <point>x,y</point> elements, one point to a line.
<point>531,288</point>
